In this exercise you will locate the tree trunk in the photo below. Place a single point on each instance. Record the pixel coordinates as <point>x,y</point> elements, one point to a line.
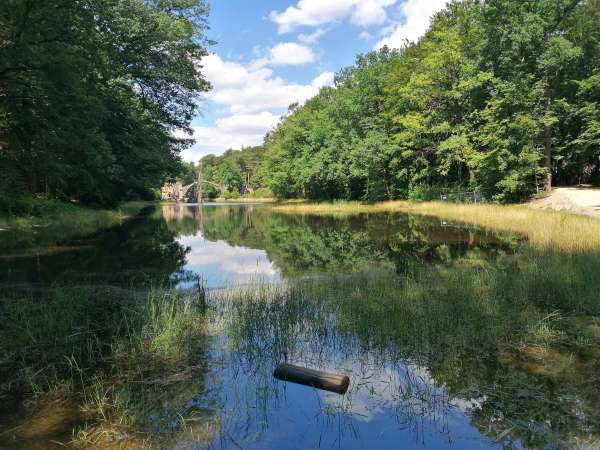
<point>471,176</point>
<point>548,158</point>
<point>548,149</point>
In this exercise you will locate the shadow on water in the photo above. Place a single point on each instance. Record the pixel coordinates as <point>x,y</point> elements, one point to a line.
<point>453,336</point>
<point>141,251</point>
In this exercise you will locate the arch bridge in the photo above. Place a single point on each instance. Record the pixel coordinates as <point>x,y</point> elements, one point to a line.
<point>177,192</point>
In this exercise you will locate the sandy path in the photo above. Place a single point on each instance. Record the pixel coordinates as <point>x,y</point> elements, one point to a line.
<point>584,201</point>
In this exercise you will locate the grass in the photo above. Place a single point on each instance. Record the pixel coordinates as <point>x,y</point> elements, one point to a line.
<point>132,363</point>
<point>529,325</point>
<point>246,200</point>
<point>484,334</point>
<point>57,222</point>
<point>520,334</point>
<point>546,230</point>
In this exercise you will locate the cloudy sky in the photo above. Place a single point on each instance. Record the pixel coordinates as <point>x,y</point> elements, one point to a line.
<point>271,53</point>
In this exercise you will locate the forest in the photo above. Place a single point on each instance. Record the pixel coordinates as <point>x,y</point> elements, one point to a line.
<point>91,93</point>
<point>500,97</point>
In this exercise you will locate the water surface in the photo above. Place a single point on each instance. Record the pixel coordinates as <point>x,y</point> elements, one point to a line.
<point>430,388</point>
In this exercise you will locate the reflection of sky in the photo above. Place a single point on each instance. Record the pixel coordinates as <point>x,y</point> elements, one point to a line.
<point>387,407</point>
<point>221,264</point>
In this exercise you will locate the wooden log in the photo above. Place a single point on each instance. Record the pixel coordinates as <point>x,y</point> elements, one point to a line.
<point>315,378</point>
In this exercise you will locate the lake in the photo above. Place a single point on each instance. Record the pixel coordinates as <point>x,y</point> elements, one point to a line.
<point>417,311</point>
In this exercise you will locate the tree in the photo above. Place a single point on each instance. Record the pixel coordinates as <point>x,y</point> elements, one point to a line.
<point>498,96</point>
<point>93,91</point>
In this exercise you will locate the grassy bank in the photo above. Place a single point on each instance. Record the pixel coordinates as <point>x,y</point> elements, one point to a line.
<point>47,223</point>
<point>246,200</point>
<point>544,229</point>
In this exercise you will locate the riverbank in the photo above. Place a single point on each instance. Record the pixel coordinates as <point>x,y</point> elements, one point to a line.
<point>544,229</point>
<point>46,223</point>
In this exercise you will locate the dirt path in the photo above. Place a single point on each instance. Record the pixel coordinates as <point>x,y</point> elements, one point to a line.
<point>584,201</point>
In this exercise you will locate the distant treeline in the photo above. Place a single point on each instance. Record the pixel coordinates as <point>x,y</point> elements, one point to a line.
<point>235,173</point>
<point>91,92</point>
<point>500,96</point>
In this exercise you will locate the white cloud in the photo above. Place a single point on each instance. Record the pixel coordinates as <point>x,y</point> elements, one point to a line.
<point>417,16</point>
<point>235,131</point>
<point>325,79</point>
<point>248,93</point>
<point>365,35</point>
<point>251,89</point>
<point>370,12</point>
<point>319,12</point>
<point>290,53</point>
<point>313,37</point>
<point>222,264</point>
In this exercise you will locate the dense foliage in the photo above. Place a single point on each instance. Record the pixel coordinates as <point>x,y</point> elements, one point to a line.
<point>235,173</point>
<point>91,92</point>
<point>502,96</point>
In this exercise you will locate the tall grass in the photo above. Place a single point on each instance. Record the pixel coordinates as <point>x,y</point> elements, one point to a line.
<point>544,229</point>
<point>126,358</point>
<point>521,338</point>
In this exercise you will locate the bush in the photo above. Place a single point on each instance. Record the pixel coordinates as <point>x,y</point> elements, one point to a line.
<point>36,207</point>
<point>262,192</point>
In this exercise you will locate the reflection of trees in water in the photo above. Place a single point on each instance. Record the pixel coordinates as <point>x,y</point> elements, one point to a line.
<point>300,245</point>
<point>142,250</point>
<point>459,322</point>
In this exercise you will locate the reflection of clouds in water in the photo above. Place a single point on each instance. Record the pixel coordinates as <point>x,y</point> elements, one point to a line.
<point>219,262</point>
<point>374,389</point>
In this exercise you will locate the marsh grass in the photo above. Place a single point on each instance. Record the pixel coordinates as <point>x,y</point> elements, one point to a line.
<point>132,362</point>
<point>483,333</point>
<point>545,230</point>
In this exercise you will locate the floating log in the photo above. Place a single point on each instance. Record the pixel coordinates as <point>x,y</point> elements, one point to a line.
<point>314,378</point>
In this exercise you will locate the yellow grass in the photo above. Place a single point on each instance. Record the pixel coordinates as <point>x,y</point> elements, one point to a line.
<point>544,228</point>
<point>246,200</point>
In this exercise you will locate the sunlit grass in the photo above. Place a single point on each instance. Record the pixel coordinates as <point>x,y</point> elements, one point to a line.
<point>544,229</point>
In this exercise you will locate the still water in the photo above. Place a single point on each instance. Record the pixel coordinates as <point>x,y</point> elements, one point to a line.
<point>229,245</point>
<point>402,395</point>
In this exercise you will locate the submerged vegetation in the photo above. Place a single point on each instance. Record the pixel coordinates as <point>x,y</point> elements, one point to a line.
<point>430,318</point>
<point>481,333</point>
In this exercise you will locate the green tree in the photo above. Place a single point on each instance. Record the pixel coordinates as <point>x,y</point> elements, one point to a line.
<point>93,90</point>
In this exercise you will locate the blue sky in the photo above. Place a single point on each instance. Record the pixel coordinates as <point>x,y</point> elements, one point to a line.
<point>271,53</point>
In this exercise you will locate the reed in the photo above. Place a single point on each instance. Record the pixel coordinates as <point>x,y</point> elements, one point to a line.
<point>131,361</point>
